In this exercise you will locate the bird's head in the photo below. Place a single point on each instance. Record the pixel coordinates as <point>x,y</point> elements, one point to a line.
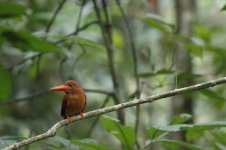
<point>68,87</point>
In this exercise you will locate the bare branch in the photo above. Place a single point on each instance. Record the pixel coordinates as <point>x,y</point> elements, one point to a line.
<point>98,91</point>
<point>52,131</point>
<point>135,63</point>
<point>107,38</point>
<point>60,6</point>
<point>87,25</point>
<point>30,97</point>
<point>34,95</point>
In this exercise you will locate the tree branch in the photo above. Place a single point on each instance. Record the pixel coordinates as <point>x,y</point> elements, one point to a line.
<point>52,131</point>
<point>107,38</point>
<point>135,64</point>
<point>29,97</point>
<point>60,6</point>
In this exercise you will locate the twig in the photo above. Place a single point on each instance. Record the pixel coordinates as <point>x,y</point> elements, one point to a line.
<point>60,6</point>
<point>23,61</point>
<point>30,97</point>
<point>83,27</point>
<point>56,42</point>
<point>98,91</point>
<point>39,55</point>
<point>80,15</point>
<point>135,63</point>
<point>52,131</point>
<point>107,37</point>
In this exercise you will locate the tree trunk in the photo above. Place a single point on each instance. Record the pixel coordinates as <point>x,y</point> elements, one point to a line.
<point>185,18</point>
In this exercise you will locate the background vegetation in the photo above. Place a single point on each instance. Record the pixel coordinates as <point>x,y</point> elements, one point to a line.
<point>118,51</point>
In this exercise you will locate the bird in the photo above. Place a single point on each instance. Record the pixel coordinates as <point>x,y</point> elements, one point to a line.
<point>74,100</point>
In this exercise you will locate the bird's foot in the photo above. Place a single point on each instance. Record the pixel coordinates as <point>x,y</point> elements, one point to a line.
<point>81,114</point>
<point>69,120</point>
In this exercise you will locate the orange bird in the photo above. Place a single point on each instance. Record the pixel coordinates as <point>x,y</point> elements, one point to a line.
<point>74,100</point>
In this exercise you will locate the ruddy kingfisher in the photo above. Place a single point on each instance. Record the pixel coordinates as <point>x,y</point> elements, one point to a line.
<point>74,100</point>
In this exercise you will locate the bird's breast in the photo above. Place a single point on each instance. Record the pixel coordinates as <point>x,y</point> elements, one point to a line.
<point>75,104</point>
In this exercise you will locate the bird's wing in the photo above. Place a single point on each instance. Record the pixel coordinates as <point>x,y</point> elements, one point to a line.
<point>63,108</point>
<point>83,109</point>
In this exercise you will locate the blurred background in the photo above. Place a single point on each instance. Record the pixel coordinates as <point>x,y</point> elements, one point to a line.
<point>118,51</point>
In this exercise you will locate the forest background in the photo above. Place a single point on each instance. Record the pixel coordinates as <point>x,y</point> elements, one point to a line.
<point>118,51</point>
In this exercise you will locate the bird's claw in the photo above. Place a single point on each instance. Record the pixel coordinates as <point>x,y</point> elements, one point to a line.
<point>81,114</point>
<point>69,120</point>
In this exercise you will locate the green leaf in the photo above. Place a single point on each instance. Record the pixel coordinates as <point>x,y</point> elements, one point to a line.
<point>6,83</point>
<point>159,72</point>
<point>88,144</point>
<point>184,77</point>
<point>216,50</point>
<point>58,140</point>
<point>194,131</point>
<point>8,140</point>
<point>159,132</point>
<point>174,127</point>
<point>181,119</point>
<point>175,144</point>
<point>198,130</point>
<point>158,23</point>
<point>223,8</point>
<point>155,133</point>
<point>26,41</point>
<point>125,134</point>
<point>9,10</point>
<point>219,146</point>
<point>220,137</point>
<point>214,97</point>
<point>89,43</point>
<point>195,49</point>
<point>203,33</point>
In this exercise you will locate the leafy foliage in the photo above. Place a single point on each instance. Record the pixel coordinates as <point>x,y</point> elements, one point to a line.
<point>89,43</point>
<point>124,133</point>
<point>8,140</point>
<point>156,132</point>
<point>38,50</point>
<point>11,10</point>
<point>159,72</point>
<point>193,132</point>
<point>6,83</point>
<point>26,41</point>
<point>175,144</point>
<point>88,144</point>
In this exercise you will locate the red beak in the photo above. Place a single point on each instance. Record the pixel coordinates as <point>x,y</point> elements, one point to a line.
<point>60,88</point>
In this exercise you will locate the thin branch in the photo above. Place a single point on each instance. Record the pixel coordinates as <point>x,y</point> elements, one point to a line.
<point>135,64</point>
<point>83,53</point>
<point>52,131</point>
<point>83,27</point>
<point>24,60</point>
<point>56,42</point>
<point>134,56</point>
<point>80,15</point>
<point>98,91</point>
<point>132,44</point>
<point>107,38</point>
<point>30,97</point>
<point>60,6</point>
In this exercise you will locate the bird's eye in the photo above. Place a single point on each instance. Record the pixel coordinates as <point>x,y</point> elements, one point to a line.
<point>69,85</point>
